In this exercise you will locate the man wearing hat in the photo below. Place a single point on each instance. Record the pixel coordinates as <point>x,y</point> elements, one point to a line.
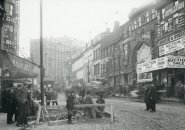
<point>22,99</point>
<point>70,105</point>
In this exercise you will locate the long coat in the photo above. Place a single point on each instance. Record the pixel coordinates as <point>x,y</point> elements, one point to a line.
<point>8,102</point>
<point>153,94</point>
<point>70,103</point>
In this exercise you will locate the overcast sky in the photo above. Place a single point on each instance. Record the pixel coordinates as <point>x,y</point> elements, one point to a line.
<point>80,19</point>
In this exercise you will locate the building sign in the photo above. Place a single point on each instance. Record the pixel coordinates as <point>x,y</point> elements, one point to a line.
<point>176,62</point>
<point>144,77</point>
<point>174,9</point>
<point>161,63</point>
<point>172,46</point>
<point>151,65</point>
<point>171,38</point>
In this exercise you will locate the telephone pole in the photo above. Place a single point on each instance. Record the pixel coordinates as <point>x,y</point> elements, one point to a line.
<point>41,57</point>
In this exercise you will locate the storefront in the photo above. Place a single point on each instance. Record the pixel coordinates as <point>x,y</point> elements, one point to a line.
<point>14,68</point>
<point>168,70</point>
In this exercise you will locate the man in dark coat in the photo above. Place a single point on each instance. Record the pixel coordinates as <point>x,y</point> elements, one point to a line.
<point>153,97</point>
<point>22,99</point>
<point>147,97</point>
<point>70,106</point>
<point>9,104</point>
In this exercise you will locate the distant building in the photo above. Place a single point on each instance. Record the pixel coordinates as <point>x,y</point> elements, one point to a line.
<point>56,56</point>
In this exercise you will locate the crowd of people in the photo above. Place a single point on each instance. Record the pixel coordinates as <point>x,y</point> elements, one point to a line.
<point>85,98</point>
<point>18,104</point>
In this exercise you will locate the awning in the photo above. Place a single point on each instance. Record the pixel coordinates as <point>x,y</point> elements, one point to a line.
<point>17,67</point>
<point>161,63</point>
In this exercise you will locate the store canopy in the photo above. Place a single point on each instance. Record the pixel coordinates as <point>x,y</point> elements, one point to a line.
<point>17,67</point>
<point>161,63</point>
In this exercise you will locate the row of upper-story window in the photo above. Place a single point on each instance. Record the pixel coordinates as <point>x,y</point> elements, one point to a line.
<point>170,8</point>
<point>139,21</point>
<point>172,19</point>
<point>111,50</point>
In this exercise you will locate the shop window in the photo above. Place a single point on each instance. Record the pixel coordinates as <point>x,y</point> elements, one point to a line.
<point>176,22</point>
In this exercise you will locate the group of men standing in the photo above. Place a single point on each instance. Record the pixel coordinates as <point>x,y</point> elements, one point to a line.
<point>17,102</point>
<point>85,98</point>
<point>150,97</point>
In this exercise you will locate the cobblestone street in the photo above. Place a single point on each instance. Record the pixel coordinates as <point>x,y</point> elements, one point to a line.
<point>130,115</point>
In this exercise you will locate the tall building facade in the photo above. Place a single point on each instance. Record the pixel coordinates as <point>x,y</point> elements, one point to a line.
<point>56,56</point>
<point>10,28</point>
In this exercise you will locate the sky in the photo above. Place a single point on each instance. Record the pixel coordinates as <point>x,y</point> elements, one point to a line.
<point>79,19</point>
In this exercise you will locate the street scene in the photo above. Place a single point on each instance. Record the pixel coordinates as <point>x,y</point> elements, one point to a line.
<point>92,64</point>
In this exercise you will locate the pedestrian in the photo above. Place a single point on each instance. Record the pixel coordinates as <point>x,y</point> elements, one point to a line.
<point>100,109</point>
<point>54,97</point>
<point>9,105</point>
<point>147,97</point>
<point>70,106</point>
<point>82,93</point>
<point>90,111</point>
<point>180,90</point>
<point>48,96</point>
<point>153,97</point>
<point>22,98</point>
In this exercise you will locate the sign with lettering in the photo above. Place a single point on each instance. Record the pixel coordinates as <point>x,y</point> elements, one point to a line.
<point>161,63</point>
<point>171,38</point>
<point>144,77</point>
<point>176,62</point>
<point>172,46</point>
<point>151,65</point>
<point>174,9</point>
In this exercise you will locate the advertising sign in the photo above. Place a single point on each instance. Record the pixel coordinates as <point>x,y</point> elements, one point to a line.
<point>151,65</point>
<point>161,63</point>
<point>176,62</point>
<point>144,77</point>
<point>172,46</point>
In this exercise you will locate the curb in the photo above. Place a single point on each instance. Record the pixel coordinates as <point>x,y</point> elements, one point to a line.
<point>141,100</point>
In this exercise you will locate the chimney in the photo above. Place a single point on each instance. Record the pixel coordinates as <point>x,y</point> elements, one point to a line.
<point>116,26</point>
<point>108,30</point>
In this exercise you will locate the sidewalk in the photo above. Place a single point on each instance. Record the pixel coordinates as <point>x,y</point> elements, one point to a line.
<point>4,125</point>
<point>94,124</point>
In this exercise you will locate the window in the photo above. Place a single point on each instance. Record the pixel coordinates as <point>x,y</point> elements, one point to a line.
<point>135,24</point>
<point>9,9</point>
<point>176,3</point>
<point>125,54</point>
<point>153,13</point>
<point>147,17</point>
<point>129,30</point>
<point>163,13</point>
<point>139,21</point>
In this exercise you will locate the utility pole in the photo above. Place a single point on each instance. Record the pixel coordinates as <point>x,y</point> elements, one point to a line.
<point>41,57</point>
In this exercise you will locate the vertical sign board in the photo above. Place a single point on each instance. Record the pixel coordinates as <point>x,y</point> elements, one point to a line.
<point>10,28</point>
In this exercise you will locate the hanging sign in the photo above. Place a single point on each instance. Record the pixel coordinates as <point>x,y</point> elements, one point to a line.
<point>172,46</point>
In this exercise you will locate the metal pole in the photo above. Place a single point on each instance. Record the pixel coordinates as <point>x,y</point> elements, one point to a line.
<point>41,57</point>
